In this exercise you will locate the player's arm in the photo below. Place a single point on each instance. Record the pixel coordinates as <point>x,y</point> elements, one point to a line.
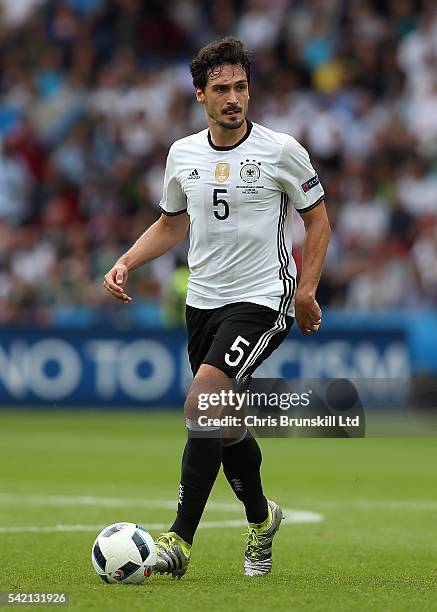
<point>161,237</point>
<point>317,234</point>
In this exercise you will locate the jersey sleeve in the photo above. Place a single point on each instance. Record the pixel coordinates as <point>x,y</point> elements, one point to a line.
<point>298,178</point>
<point>173,201</point>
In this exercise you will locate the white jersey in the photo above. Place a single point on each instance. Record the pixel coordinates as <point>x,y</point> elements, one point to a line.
<point>238,199</point>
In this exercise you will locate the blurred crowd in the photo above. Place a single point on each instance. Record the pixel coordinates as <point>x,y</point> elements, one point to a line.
<point>93,92</point>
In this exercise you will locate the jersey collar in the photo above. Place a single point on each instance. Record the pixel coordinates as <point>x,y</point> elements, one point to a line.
<point>237,144</point>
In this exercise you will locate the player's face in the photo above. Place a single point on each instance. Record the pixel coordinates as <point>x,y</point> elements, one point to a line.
<point>226,96</point>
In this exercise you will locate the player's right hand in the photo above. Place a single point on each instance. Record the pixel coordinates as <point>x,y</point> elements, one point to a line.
<point>115,280</point>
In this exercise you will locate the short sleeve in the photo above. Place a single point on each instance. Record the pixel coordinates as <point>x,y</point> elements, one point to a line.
<point>298,178</point>
<point>174,201</point>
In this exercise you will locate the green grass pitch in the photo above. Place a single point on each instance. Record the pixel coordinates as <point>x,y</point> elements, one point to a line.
<point>375,549</point>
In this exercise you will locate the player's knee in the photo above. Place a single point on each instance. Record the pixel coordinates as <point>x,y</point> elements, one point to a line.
<point>200,416</point>
<point>191,406</point>
<point>203,399</point>
<point>195,418</point>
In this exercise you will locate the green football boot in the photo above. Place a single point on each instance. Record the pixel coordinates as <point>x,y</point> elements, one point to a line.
<point>258,556</point>
<point>173,555</point>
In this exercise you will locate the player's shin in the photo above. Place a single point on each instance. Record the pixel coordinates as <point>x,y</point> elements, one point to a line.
<point>200,465</point>
<point>241,465</point>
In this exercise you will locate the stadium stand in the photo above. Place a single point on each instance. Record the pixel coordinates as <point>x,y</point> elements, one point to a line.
<point>94,92</point>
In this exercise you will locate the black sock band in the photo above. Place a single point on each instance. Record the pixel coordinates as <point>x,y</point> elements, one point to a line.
<point>200,465</point>
<point>241,465</point>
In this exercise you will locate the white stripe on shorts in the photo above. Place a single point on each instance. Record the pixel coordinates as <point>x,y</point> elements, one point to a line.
<point>261,345</point>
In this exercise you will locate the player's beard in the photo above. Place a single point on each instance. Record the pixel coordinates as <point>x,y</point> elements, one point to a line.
<point>232,124</point>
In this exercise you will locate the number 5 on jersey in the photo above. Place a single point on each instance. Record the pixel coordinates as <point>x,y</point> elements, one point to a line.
<point>221,207</point>
<point>238,350</point>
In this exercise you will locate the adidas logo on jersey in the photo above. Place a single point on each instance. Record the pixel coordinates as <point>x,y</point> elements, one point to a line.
<point>194,174</point>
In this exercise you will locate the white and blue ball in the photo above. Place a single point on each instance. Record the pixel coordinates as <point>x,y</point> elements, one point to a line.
<point>124,553</point>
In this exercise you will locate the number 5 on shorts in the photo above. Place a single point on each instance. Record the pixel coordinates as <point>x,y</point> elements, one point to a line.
<point>237,349</point>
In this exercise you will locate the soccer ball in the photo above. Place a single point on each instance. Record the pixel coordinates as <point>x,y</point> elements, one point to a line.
<point>124,553</point>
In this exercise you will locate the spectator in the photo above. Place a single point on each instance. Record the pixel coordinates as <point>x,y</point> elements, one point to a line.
<point>15,185</point>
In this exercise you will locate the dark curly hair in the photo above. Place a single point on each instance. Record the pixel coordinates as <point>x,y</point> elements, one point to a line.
<point>229,50</point>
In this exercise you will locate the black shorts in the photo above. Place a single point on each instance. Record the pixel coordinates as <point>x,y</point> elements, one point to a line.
<point>235,338</point>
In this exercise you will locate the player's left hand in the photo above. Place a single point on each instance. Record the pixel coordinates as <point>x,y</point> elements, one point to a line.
<point>308,313</point>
